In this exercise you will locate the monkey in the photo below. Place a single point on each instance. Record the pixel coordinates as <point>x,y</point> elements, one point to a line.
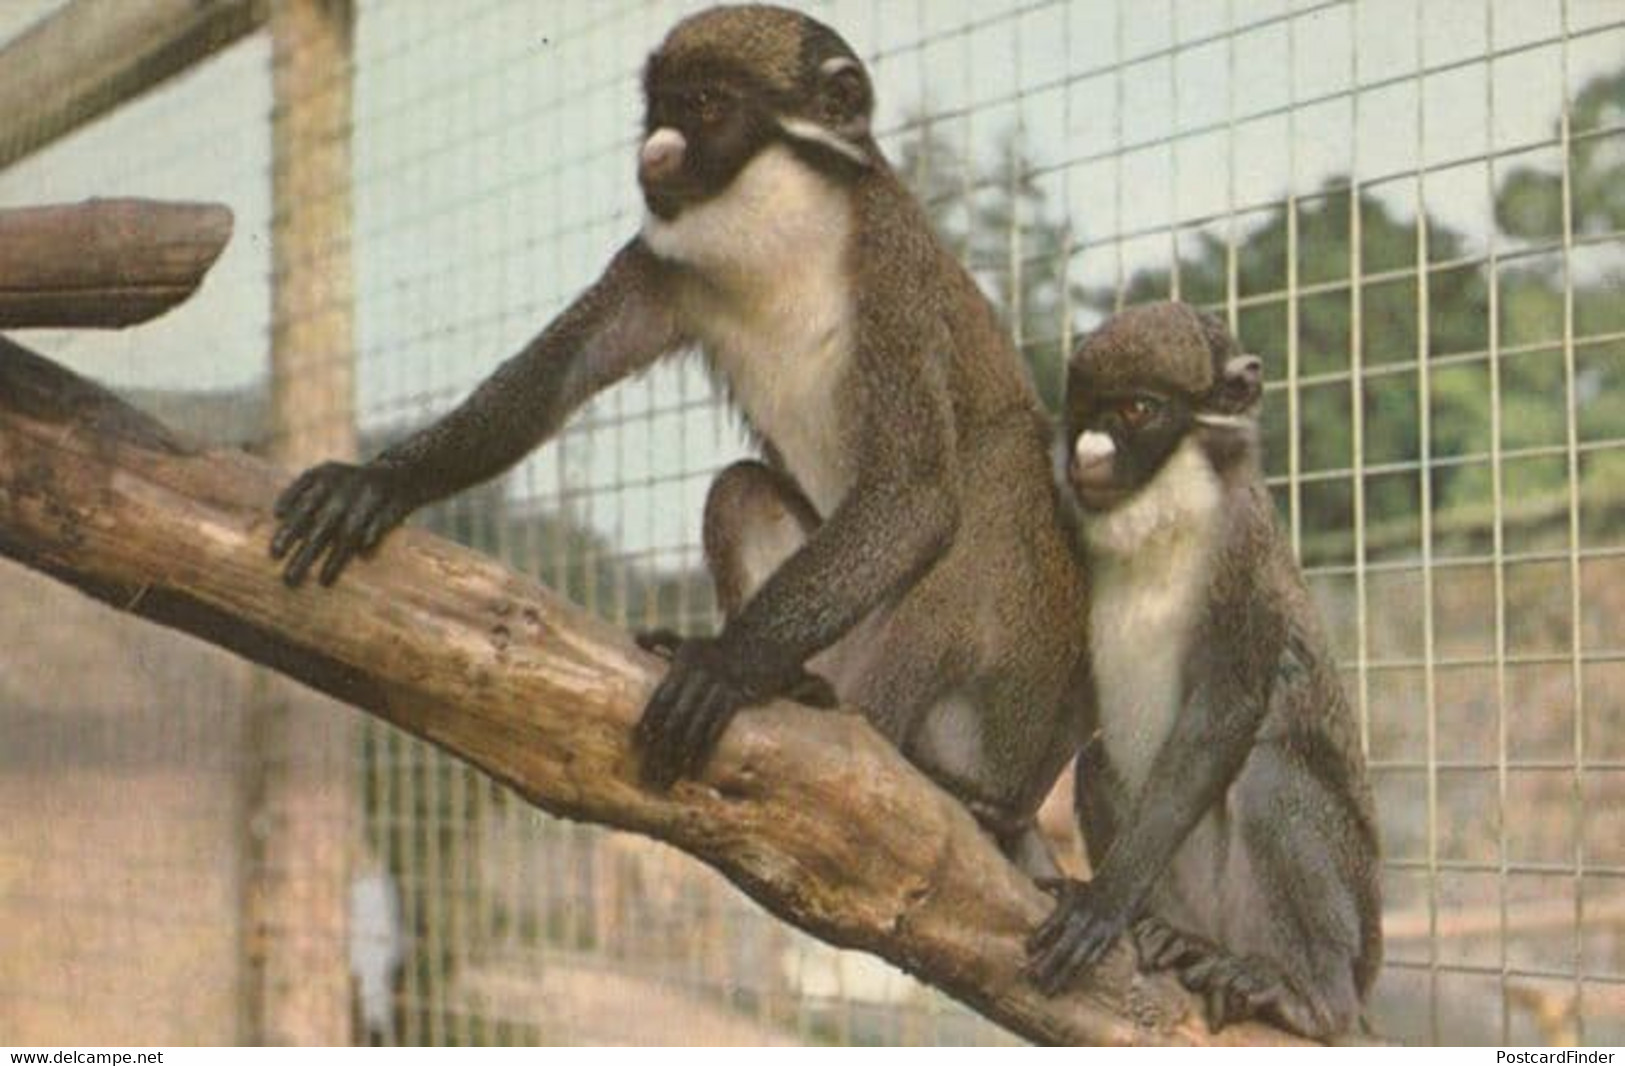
<point>899,546</point>
<point>1223,800</point>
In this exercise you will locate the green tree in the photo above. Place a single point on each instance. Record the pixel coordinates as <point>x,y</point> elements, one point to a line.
<point>1021,253</point>
<point>1529,209</point>
<point>998,220</point>
<point>1529,203</point>
<point>1390,347</point>
<point>939,177</point>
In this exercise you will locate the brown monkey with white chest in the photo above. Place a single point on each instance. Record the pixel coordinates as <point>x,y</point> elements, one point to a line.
<point>1224,800</point>
<point>902,538</point>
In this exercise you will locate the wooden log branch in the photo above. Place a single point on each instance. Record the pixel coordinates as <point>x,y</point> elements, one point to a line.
<point>812,813</point>
<point>104,263</point>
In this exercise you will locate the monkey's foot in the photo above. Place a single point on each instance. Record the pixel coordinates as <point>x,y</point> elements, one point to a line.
<point>808,688</point>
<point>1234,989</point>
<point>1159,946</point>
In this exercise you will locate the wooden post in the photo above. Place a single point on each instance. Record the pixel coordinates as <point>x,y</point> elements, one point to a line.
<point>90,56</point>
<point>305,799</point>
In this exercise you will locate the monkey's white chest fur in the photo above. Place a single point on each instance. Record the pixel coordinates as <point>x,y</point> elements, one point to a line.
<point>1150,559</point>
<point>772,307</point>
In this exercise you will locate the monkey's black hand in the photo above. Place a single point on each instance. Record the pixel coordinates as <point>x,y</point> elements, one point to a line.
<point>1075,936</point>
<point>699,696</point>
<point>807,688</point>
<point>339,509</point>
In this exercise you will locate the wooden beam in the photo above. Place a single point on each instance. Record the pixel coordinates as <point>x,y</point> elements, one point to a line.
<point>812,813</point>
<point>104,263</point>
<point>90,56</point>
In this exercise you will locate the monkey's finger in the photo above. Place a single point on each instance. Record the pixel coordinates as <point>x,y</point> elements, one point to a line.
<point>1060,966</point>
<point>1200,975</point>
<point>648,726</point>
<point>1230,1005</point>
<point>291,497</point>
<point>1067,957</point>
<point>316,542</point>
<point>1153,940</point>
<point>347,540</point>
<point>686,726</point>
<point>294,573</point>
<point>1237,1006</point>
<point>1213,1008</point>
<point>717,715</point>
<point>661,765</point>
<point>384,518</point>
<point>1067,902</point>
<point>344,549</point>
<point>651,728</point>
<point>1178,950</point>
<point>298,518</point>
<point>1050,930</point>
<point>663,642</point>
<point>364,505</point>
<point>692,725</point>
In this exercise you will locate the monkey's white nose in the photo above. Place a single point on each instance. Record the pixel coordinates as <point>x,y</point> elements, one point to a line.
<point>661,156</point>
<point>1093,447</point>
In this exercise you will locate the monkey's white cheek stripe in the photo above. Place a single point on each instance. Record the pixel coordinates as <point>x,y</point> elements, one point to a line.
<point>661,143</point>
<point>803,130</point>
<point>1207,418</point>
<point>1093,446</point>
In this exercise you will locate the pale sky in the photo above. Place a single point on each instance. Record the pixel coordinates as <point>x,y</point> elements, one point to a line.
<point>494,175</point>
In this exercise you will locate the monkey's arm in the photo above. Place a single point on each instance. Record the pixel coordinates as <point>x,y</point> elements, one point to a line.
<point>1242,651</point>
<point>896,521</point>
<point>619,325</point>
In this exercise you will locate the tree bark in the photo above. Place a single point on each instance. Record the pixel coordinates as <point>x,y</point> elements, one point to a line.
<point>812,813</point>
<point>104,263</point>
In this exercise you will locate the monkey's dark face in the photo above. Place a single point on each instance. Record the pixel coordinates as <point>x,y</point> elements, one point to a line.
<point>729,82</point>
<point>1119,438</point>
<point>1144,383</point>
<point>700,129</point>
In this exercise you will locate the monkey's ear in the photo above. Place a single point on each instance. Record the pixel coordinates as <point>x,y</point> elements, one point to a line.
<point>1242,382</point>
<point>845,99</point>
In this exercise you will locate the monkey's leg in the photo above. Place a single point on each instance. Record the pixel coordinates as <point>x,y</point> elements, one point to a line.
<point>755,518</point>
<point>1020,840</point>
<point>1096,798</point>
<point>1291,915</point>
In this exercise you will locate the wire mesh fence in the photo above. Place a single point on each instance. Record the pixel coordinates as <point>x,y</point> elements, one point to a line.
<point>1411,212</point>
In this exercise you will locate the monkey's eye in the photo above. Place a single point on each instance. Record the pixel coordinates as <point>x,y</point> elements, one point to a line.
<point>706,105</point>
<point>1139,410</point>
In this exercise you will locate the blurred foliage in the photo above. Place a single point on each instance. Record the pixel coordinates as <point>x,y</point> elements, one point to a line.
<point>1530,204</point>
<point>1000,223</point>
